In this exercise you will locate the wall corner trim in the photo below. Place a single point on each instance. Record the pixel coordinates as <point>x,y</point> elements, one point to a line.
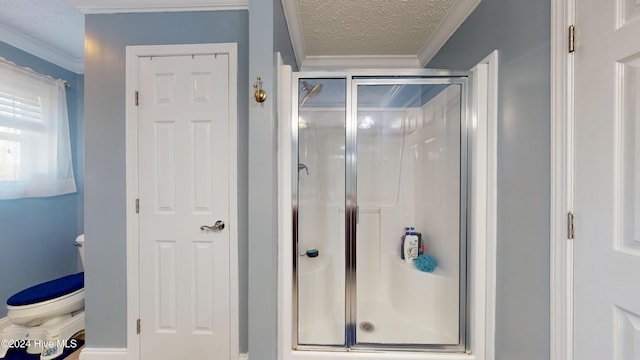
<point>89,353</point>
<point>484,191</point>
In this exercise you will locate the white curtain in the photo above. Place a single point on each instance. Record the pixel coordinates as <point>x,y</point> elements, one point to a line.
<point>35,149</point>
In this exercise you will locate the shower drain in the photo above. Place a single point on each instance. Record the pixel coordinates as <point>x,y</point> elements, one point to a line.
<point>367,326</point>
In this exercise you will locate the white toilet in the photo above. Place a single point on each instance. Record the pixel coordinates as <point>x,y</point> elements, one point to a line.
<point>46,316</point>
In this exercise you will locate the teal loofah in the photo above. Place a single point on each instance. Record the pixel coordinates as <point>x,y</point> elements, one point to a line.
<point>426,263</point>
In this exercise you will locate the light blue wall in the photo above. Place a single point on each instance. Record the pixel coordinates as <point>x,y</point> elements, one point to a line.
<point>105,150</point>
<point>520,30</point>
<point>267,35</point>
<point>263,255</point>
<point>281,39</point>
<point>37,234</point>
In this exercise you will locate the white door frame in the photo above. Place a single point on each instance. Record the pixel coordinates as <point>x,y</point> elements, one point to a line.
<point>131,137</point>
<point>561,202</point>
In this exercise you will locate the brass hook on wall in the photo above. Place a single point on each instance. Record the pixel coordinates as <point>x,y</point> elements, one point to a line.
<point>259,94</point>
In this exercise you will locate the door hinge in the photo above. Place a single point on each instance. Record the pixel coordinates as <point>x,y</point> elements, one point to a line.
<point>138,326</point>
<point>137,98</point>
<point>570,225</point>
<point>137,206</point>
<point>572,38</point>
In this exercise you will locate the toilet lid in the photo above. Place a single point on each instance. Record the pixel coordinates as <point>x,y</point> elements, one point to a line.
<point>48,290</point>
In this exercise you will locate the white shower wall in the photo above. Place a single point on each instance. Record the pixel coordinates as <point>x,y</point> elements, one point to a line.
<point>408,175</point>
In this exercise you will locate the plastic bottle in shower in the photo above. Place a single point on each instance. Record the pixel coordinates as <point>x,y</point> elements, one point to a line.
<point>404,235</point>
<point>411,246</point>
<point>420,243</point>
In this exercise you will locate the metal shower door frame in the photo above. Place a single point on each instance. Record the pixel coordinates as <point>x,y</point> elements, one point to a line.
<point>382,77</point>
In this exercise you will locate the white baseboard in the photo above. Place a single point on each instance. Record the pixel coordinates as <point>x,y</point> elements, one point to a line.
<point>118,354</point>
<point>103,354</point>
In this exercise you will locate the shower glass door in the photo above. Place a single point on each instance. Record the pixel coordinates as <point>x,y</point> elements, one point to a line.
<point>408,162</point>
<point>319,255</point>
<point>380,212</point>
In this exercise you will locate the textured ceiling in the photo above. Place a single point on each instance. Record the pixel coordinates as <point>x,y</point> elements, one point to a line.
<point>369,27</point>
<point>54,23</point>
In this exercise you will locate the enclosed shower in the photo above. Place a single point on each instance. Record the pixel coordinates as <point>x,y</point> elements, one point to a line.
<point>378,212</point>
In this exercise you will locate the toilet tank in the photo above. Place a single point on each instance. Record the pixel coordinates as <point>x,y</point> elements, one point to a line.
<point>80,245</point>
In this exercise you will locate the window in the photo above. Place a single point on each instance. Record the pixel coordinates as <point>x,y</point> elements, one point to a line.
<point>35,149</point>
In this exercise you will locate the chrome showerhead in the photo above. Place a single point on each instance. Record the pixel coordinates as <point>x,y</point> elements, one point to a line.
<point>311,90</point>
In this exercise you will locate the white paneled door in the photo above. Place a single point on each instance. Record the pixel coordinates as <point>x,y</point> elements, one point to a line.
<point>607,180</point>
<point>183,167</point>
